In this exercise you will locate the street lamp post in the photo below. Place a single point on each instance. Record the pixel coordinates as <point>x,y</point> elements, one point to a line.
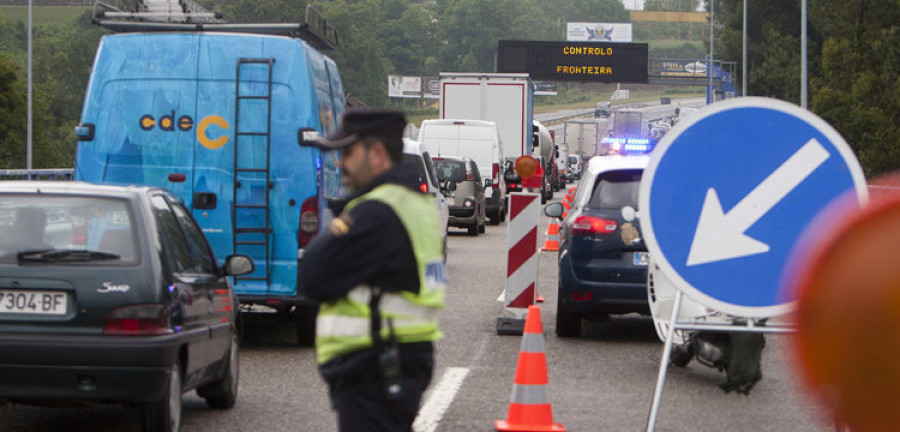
<point>711,95</point>
<point>803,75</point>
<point>28,126</point>
<point>744,58</point>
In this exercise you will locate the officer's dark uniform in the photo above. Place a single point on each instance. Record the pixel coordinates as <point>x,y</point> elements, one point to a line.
<point>369,246</point>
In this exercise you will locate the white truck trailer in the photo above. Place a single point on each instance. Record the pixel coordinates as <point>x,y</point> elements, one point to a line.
<point>507,99</point>
<point>582,137</point>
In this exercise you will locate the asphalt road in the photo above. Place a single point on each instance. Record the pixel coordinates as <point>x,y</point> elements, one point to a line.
<point>601,381</point>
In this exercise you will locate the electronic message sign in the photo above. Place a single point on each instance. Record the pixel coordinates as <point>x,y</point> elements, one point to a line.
<point>574,61</point>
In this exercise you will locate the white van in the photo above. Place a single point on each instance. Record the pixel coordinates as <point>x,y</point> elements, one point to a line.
<point>575,165</point>
<point>477,140</point>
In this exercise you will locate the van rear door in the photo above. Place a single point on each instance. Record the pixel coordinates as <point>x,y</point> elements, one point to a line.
<point>141,101</point>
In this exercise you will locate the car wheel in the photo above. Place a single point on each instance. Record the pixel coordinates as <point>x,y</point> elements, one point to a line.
<point>473,229</point>
<point>495,217</point>
<point>165,415</point>
<point>567,323</point>
<point>481,228</point>
<point>222,394</point>
<point>306,325</point>
<point>680,355</point>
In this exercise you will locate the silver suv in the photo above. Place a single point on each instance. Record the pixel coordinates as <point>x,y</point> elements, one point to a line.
<point>465,191</point>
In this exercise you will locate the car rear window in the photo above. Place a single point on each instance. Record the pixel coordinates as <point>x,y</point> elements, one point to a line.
<point>454,171</point>
<point>616,189</point>
<point>67,223</point>
<point>416,162</point>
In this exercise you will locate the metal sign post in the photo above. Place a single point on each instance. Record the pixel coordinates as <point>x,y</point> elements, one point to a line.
<point>726,197</point>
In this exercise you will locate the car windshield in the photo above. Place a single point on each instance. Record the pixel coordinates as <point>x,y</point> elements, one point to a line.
<point>454,171</point>
<point>616,189</point>
<point>48,228</point>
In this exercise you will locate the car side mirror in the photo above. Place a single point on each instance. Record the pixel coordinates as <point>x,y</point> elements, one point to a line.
<point>236,265</point>
<point>449,185</point>
<point>488,183</point>
<point>554,210</point>
<point>307,137</point>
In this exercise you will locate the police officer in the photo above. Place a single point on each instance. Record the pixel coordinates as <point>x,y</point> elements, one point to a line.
<point>378,273</point>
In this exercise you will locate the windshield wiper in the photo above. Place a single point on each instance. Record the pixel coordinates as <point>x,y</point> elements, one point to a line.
<point>47,255</point>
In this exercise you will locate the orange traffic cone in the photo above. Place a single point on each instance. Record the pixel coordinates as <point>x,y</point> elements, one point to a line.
<point>529,409</point>
<point>551,237</point>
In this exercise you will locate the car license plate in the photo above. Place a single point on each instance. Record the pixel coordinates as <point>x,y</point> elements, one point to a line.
<point>641,258</point>
<point>33,302</point>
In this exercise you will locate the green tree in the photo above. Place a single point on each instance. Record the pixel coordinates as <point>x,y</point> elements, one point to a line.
<point>859,94</point>
<point>12,115</point>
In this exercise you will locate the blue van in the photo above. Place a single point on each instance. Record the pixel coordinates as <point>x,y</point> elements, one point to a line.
<point>218,118</point>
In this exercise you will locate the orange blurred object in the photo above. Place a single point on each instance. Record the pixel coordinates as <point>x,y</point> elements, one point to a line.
<point>526,166</point>
<point>848,315</point>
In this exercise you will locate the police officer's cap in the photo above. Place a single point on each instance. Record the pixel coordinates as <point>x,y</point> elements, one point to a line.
<point>356,124</point>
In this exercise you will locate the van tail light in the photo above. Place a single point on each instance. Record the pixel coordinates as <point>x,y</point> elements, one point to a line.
<point>137,320</point>
<point>495,175</point>
<point>309,221</point>
<point>588,225</point>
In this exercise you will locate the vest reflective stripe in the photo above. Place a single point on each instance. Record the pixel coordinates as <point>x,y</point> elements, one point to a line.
<point>528,394</point>
<point>343,326</point>
<point>393,305</point>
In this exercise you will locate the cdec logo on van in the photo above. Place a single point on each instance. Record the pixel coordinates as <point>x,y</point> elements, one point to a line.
<point>185,123</point>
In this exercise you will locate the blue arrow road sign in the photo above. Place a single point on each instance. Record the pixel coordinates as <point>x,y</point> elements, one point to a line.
<point>729,192</point>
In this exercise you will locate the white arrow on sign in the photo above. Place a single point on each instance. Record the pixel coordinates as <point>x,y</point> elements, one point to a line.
<point>720,236</point>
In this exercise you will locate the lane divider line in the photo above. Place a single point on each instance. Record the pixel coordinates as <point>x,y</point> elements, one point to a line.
<point>440,399</point>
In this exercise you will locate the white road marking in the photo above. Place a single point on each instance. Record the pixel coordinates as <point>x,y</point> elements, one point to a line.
<point>440,399</point>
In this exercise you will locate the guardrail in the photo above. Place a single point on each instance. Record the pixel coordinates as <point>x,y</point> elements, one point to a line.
<point>38,174</point>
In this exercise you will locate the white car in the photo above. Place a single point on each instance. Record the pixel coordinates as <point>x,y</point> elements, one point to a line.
<point>416,155</point>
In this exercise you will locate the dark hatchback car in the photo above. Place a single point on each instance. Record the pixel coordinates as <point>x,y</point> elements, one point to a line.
<point>112,295</point>
<point>602,255</point>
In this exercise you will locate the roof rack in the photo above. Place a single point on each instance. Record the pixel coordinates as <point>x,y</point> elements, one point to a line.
<point>188,16</point>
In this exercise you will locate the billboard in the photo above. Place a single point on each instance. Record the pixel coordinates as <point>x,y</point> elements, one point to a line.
<point>404,86</point>
<point>598,32</point>
<point>622,62</point>
<point>432,87</point>
<point>682,68</point>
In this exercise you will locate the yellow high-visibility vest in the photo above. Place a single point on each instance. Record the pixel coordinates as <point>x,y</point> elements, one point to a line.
<point>344,325</point>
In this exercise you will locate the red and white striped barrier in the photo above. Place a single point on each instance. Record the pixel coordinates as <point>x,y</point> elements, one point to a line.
<point>522,261</point>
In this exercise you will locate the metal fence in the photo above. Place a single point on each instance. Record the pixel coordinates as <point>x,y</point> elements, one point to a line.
<point>38,174</point>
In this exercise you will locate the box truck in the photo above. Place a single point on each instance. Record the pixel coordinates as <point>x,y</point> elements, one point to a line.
<point>507,99</point>
<point>582,138</point>
<point>217,117</point>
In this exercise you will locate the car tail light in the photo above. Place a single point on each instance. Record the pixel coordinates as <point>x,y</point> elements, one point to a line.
<point>587,225</point>
<point>580,296</point>
<point>469,203</point>
<point>309,221</point>
<point>469,175</point>
<point>495,175</point>
<point>424,187</point>
<point>138,320</point>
